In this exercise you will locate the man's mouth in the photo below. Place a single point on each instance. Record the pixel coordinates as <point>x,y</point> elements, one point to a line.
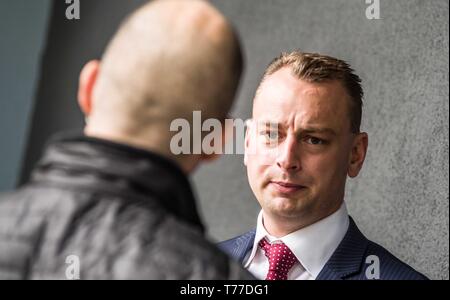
<point>285,187</point>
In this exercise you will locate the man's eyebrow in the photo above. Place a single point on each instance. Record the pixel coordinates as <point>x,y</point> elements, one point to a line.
<point>309,129</point>
<point>317,130</point>
<point>268,123</point>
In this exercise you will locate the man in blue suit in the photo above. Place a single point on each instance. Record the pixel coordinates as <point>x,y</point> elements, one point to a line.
<point>302,143</point>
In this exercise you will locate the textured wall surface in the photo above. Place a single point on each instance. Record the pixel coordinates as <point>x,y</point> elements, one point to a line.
<point>400,199</point>
<point>23,25</point>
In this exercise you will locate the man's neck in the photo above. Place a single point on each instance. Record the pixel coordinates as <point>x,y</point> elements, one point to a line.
<point>281,226</point>
<point>150,144</point>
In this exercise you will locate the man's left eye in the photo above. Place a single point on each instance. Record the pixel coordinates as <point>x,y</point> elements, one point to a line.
<point>314,141</point>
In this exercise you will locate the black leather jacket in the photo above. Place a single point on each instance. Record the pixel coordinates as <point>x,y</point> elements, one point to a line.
<point>122,212</point>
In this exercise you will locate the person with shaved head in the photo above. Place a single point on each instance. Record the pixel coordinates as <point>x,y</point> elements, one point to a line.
<point>115,202</point>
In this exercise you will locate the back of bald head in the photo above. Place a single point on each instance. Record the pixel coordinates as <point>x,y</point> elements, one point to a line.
<point>169,58</point>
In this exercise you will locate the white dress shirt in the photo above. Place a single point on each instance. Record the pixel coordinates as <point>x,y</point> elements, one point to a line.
<point>312,245</point>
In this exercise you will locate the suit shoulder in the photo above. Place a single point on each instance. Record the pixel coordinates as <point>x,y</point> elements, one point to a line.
<point>391,268</point>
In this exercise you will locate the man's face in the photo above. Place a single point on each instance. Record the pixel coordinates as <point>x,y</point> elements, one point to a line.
<point>297,167</point>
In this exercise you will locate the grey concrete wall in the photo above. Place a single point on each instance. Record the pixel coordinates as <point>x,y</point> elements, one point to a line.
<point>23,25</point>
<point>401,197</point>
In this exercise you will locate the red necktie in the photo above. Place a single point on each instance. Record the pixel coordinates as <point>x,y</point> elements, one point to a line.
<point>281,259</point>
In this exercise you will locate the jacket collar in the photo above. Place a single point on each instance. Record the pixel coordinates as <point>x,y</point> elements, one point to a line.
<point>348,257</point>
<point>101,165</point>
<point>244,245</point>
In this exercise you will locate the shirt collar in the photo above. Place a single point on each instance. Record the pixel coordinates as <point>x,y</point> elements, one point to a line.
<point>312,245</point>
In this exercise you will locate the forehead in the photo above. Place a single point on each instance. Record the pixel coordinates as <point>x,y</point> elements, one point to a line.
<point>285,99</point>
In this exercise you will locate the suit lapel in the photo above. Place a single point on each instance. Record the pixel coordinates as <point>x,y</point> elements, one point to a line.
<point>348,257</point>
<point>243,244</point>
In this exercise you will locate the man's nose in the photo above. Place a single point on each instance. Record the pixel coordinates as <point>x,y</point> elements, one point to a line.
<point>287,158</point>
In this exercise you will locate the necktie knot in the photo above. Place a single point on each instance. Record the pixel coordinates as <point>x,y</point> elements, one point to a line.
<point>281,259</point>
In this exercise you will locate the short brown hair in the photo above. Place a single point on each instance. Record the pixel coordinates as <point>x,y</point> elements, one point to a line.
<point>314,67</point>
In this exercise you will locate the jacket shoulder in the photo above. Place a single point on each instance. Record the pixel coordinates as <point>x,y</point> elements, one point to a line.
<point>390,267</point>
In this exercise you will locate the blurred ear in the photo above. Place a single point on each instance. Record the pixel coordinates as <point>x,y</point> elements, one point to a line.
<point>248,132</point>
<point>224,135</point>
<point>88,78</point>
<point>358,154</point>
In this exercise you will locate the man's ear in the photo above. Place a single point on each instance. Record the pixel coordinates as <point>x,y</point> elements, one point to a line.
<point>88,78</point>
<point>358,154</point>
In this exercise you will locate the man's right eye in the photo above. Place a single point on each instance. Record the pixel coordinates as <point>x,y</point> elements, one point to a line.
<point>270,135</point>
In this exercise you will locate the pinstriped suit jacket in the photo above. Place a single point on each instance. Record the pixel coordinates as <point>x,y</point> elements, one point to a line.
<point>347,262</point>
